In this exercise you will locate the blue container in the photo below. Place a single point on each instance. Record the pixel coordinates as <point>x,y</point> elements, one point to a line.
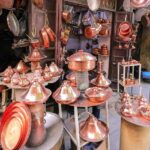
<point>145,74</point>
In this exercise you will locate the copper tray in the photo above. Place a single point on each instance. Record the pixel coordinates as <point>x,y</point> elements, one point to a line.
<point>19,108</point>
<point>137,120</point>
<point>98,140</point>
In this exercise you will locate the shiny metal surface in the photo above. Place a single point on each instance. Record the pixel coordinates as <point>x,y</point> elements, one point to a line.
<point>15,79</point>
<point>66,94</point>
<point>139,3</point>
<point>37,93</point>
<point>13,23</point>
<point>35,55</point>
<point>21,67</point>
<point>23,82</point>
<point>93,4</point>
<point>137,120</point>
<point>50,33</point>
<point>101,81</point>
<point>53,139</point>
<point>6,4</point>
<point>45,38</point>
<point>8,72</point>
<point>54,69</point>
<point>96,94</point>
<point>38,3</point>
<point>89,32</point>
<point>93,130</point>
<point>81,61</point>
<point>72,78</point>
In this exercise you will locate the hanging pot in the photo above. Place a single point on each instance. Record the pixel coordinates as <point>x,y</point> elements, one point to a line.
<point>38,3</point>
<point>50,33</point>
<point>93,4</point>
<point>35,43</point>
<point>104,31</point>
<point>6,4</point>
<point>13,23</point>
<point>89,32</point>
<point>81,61</point>
<point>45,38</point>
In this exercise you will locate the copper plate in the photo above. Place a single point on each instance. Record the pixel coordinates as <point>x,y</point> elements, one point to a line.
<point>137,120</point>
<point>11,133</point>
<point>100,124</point>
<point>24,112</point>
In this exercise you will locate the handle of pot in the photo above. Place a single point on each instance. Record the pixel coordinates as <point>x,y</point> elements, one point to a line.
<point>46,22</point>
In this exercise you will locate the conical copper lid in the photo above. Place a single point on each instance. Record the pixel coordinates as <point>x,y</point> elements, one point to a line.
<point>93,130</point>
<point>21,67</point>
<point>37,93</point>
<point>35,55</point>
<point>66,94</point>
<point>54,69</point>
<point>101,81</point>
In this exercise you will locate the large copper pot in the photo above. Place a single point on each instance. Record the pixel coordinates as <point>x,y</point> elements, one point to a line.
<point>81,61</point>
<point>6,4</point>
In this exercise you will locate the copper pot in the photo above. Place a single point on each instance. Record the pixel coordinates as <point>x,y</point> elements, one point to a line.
<point>139,3</point>
<point>21,67</point>
<point>54,69</point>
<point>89,32</point>
<point>35,43</point>
<point>45,38</point>
<point>50,33</point>
<point>104,31</point>
<point>38,3</point>
<point>67,16</point>
<point>6,4</point>
<point>81,61</point>
<point>6,79</point>
<point>96,94</point>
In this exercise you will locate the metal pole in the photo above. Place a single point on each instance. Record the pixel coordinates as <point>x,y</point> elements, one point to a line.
<point>60,110</point>
<point>77,127</point>
<point>118,78</point>
<point>107,120</point>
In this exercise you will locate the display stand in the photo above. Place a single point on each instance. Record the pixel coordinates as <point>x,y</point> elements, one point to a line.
<point>125,75</point>
<point>72,124</point>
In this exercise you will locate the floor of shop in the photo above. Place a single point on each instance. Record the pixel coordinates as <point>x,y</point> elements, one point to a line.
<point>114,118</point>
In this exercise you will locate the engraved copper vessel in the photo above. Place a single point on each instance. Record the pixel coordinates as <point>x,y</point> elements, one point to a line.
<point>66,94</point>
<point>23,82</point>
<point>35,43</point>
<point>93,130</point>
<point>54,69</point>
<point>139,3</point>
<point>101,81</point>
<point>35,55</point>
<point>96,94</point>
<point>72,78</point>
<point>81,61</point>
<point>37,93</point>
<point>21,67</point>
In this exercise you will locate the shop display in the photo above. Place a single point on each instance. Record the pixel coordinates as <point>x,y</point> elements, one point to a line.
<point>138,4</point>
<point>21,67</point>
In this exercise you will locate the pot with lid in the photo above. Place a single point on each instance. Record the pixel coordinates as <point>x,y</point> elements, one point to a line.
<point>81,61</point>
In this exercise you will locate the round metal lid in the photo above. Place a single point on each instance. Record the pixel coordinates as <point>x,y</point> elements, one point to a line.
<point>81,56</point>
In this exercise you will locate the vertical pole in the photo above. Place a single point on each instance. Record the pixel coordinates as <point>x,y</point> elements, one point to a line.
<point>107,120</point>
<point>77,127</point>
<point>118,78</point>
<point>60,110</point>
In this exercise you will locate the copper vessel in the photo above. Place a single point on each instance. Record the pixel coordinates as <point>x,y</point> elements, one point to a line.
<point>15,126</point>
<point>81,61</point>
<point>35,56</point>
<point>66,94</point>
<point>37,93</point>
<point>67,16</point>
<point>47,76</point>
<point>23,82</point>
<point>93,130</point>
<point>35,43</point>
<point>96,94</point>
<point>38,3</point>
<point>21,67</point>
<point>15,79</point>
<point>46,69</point>
<point>89,32</point>
<point>72,78</point>
<point>54,69</point>
<point>6,79</point>
<point>45,38</point>
<point>50,33</point>
<point>6,4</point>
<point>101,81</point>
